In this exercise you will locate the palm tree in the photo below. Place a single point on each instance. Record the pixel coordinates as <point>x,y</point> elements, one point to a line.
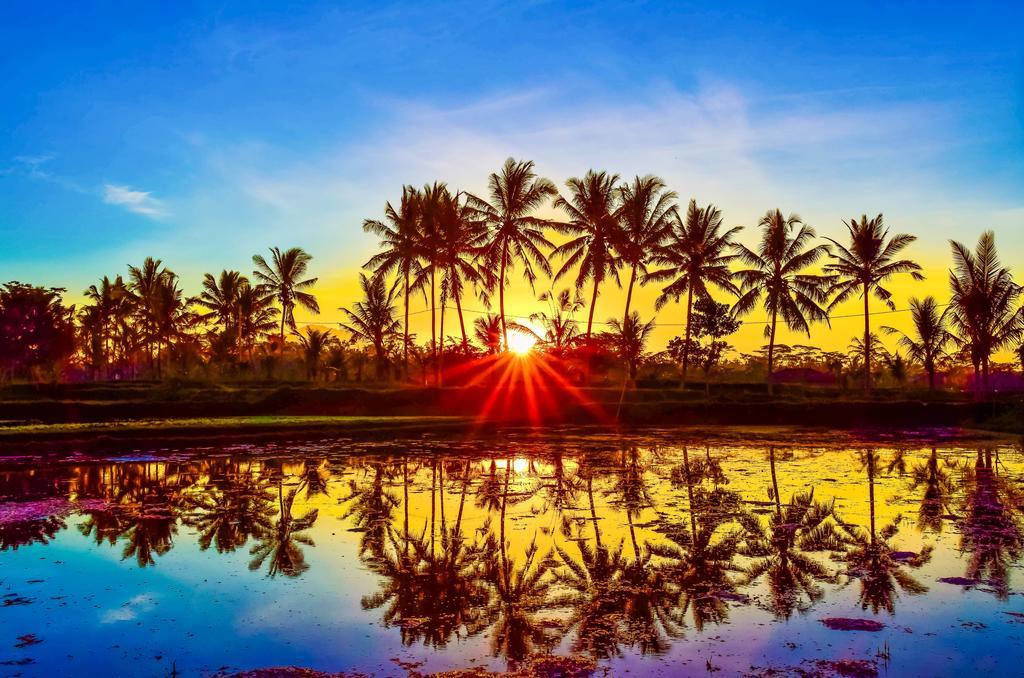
<point>487,331</point>
<point>256,315</point>
<point>144,288</point>
<point>373,319</point>
<point>433,200</point>
<point>647,209</point>
<point>862,267</point>
<point>775,273</point>
<point>630,340</point>
<point>105,300</point>
<point>283,275</point>
<point>314,343</point>
<point>560,332</point>
<point>932,336</point>
<point>220,298</point>
<point>984,308</point>
<point>400,244</point>
<point>461,238</point>
<point>170,315</point>
<point>695,254</point>
<point>593,224</point>
<point>514,233</point>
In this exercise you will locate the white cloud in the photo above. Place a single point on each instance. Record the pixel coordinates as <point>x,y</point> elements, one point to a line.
<point>139,202</point>
<point>144,602</point>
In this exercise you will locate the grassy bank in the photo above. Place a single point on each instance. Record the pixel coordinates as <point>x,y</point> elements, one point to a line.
<point>229,408</point>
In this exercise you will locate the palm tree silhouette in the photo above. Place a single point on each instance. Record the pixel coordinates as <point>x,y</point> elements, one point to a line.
<point>373,319</point>
<point>315,342</point>
<point>984,308</point>
<point>107,299</point>
<point>462,236</point>
<point>646,213</point>
<point>220,298</point>
<point>932,337</point>
<point>256,315</point>
<point>630,341</point>
<point>863,266</point>
<point>694,256</point>
<point>487,331</point>
<point>775,274</point>
<point>283,276</point>
<point>514,233</point>
<point>593,226</point>
<point>399,235</point>
<point>560,331</point>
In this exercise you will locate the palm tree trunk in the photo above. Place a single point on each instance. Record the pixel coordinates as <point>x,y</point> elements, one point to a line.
<point>462,322</point>
<point>501,292</point>
<point>867,343</point>
<point>629,295</point>
<point>433,326</point>
<point>405,342</point>
<point>771,354</point>
<point>440,354</point>
<point>686,345</point>
<point>593,303</point>
<point>625,318</point>
<point>284,317</point>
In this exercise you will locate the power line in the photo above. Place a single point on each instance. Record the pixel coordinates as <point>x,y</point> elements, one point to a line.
<point>602,322</point>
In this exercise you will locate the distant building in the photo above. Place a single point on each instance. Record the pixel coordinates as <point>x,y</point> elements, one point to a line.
<point>803,375</point>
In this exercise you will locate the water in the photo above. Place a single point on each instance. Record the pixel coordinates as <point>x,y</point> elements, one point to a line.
<point>661,552</point>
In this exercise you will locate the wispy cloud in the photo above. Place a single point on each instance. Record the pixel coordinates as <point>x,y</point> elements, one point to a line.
<point>139,202</point>
<point>131,609</point>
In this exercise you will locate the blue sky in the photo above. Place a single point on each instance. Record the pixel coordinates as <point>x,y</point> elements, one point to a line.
<point>205,132</point>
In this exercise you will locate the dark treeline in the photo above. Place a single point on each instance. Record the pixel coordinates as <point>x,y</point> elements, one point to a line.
<point>459,251</point>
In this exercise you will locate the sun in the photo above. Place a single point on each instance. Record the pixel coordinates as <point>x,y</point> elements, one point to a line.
<point>520,342</point>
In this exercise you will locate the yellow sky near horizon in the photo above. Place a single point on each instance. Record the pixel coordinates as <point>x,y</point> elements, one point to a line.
<point>847,321</point>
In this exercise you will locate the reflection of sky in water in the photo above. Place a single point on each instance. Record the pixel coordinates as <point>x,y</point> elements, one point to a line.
<point>200,610</point>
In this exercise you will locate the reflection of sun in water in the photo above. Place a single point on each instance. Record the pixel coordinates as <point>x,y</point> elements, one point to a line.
<point>521,342</point>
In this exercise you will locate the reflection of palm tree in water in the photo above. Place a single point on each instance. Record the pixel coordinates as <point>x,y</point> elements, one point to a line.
<point>696,564</point>
<point>371,507</point>
<point>236,505</point>
<point>280,546</point>
<point>991,528</point>
<point>141,505</point>
<point>431,597</point>
<point>781,548</point>
<point>872,559</point>
<point>34,531</point>
<point>938,491</point>
<point>519,593</point>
